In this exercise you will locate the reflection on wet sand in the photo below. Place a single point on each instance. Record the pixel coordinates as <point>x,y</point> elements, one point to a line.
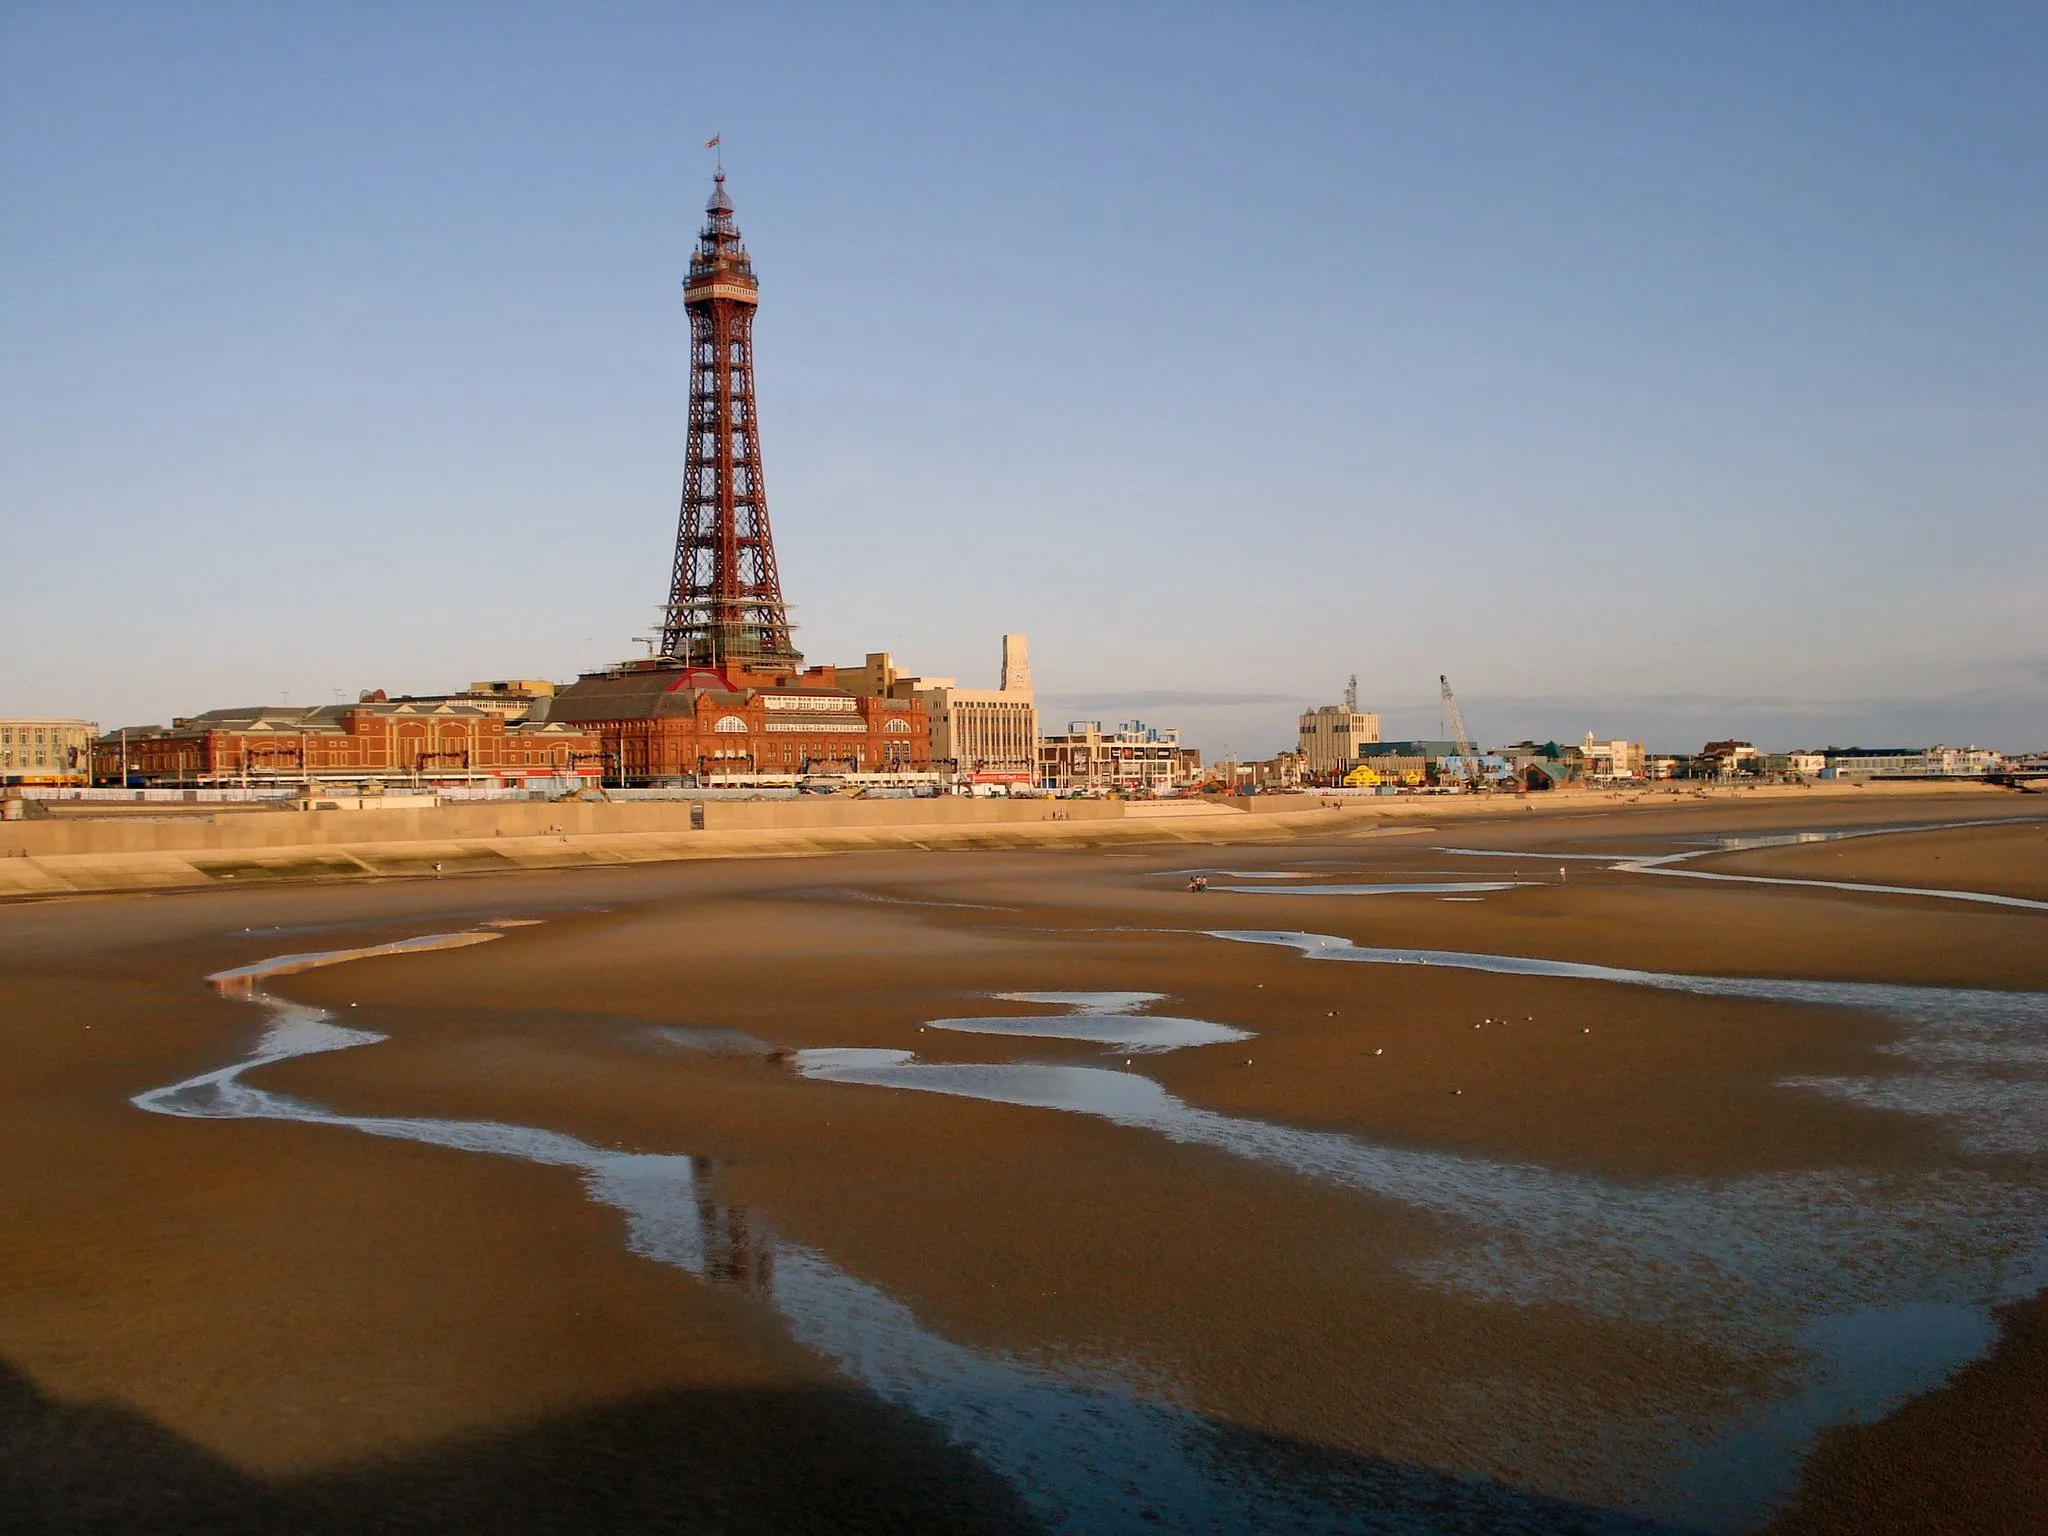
<point>1983,1054</point>
<point>1744,1259</point>
<point>1759,1263</point>
<point>1383,888</point>
<point>1666,863</point>
<point>1877,1284</point>
<point>1087,1451</point>
<point>1108,1019</point>
<point>1818,1262</point>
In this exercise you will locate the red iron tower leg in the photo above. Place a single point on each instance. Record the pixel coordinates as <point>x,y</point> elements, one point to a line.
<point>725,600</point>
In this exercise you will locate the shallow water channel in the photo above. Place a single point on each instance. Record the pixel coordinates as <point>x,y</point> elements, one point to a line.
<point>1089,1450</point>
<point>1879,1285</point>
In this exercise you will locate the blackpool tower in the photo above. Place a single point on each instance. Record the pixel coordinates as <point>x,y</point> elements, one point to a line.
<point>725,600</point>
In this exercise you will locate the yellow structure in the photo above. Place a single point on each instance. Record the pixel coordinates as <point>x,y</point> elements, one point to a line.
<point>1362,777</point>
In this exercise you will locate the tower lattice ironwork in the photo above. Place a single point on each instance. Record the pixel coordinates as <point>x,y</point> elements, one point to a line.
<point>725,599</point>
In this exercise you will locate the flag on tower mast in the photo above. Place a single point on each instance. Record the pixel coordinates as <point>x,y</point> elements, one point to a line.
<point>712,142</point>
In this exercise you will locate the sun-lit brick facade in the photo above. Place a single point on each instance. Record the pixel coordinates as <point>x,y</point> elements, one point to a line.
<point>429,741</point>
<point>660,722</point>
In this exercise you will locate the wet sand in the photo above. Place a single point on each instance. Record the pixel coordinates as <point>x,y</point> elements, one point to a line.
<point>1971,1456</point>
<point>1586,1254</point>
<point>1985,859</point>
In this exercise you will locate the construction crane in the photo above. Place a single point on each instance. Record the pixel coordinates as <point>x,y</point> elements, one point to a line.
<point>1462,744</point>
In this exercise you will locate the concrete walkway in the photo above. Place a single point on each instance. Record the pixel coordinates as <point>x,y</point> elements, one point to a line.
<point>223,853</point>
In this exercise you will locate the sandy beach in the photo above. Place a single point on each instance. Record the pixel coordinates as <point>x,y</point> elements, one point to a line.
<point>1512,1177</point>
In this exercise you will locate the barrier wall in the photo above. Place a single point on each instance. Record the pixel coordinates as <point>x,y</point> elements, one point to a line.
<point>257,831</point>
<point>830,811</point>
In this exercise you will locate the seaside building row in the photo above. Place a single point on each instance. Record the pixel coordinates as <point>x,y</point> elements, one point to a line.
<point>638,726</point>
<point>643,724</point>
<point>635,725</point>
<point>1340,746</point>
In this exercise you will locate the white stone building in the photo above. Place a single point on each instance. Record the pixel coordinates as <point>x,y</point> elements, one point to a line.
<point>1330,738</point>
<point>46,751</point>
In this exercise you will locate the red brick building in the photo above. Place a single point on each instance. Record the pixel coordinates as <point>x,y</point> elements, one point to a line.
<point>433,741</point>
<point>659,720</point>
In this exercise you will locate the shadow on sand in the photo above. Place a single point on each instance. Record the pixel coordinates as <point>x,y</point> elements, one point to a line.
<point>813,1460</point>
<point>769,1461</point>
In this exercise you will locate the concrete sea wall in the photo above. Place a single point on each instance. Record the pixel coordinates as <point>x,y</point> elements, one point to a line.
<point>81,855</point>
<point>116,853</point>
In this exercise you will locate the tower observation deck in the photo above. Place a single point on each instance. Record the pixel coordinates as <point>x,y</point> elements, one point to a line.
<point>725,598</point>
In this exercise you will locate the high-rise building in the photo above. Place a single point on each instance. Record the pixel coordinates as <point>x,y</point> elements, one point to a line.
<point>1331,737</point>
<point>986,735</point>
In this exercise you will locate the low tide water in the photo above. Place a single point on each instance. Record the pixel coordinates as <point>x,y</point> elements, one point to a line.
<point>1106,1019</point>
<point>1879,1285</point>
<point>1088,1449</point>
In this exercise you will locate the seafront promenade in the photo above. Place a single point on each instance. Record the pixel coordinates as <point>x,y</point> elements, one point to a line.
<point>142,852</point>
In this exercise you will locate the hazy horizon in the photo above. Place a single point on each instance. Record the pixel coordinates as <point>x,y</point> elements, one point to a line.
<point>1665,374</point>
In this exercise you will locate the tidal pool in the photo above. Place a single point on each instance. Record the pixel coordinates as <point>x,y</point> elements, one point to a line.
<point>1108,1019</point>
<point>1764,1264</point>
<point>1882,1284</point>
<point>1385,888</point>
<point>1982,1055</point>
<point>1879,1284</point>
<point>1088,1449</point>
<point>1666,863</point>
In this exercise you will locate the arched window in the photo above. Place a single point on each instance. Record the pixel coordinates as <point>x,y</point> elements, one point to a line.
<point>897,727</point>
<point>731,724</point>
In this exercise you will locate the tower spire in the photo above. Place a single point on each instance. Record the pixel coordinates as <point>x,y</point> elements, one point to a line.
<point>725,597</point>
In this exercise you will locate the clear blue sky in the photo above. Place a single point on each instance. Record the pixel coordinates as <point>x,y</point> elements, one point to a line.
<point>1667,371</point>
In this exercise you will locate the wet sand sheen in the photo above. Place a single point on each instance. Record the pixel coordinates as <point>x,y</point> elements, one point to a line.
<point>643,1186</point>
<point>1305,1306</point>
<point>1081,1446</point>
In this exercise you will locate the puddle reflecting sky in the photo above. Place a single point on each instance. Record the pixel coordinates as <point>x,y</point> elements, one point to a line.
<point>1981,1056</point>
<point>1087,1002</point>
<point>1107,1019</point>
<point>1829,1263</point>
<point>1882,1282</point>
<point>1667,863</point>
<point>1088,1451</point>
<point>1115,1031</point>
<point>1384,888</point>
<point>1762,1264</point>
<point>1745,1259</point>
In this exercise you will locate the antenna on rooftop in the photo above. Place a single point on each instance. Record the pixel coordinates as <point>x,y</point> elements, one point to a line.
<point>1351,695</point>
